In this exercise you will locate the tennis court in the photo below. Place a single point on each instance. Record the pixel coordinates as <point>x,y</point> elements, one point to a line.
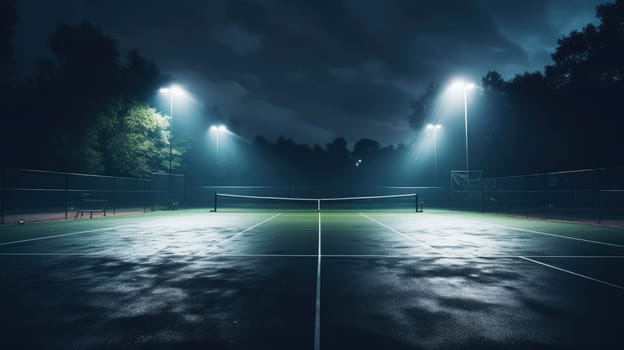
<point>302,279</point>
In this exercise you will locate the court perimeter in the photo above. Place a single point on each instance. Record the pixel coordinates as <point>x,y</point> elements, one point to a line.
<point>308,280</point>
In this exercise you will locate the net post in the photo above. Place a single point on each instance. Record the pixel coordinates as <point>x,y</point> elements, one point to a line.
<point>215,202</point>
<point>416,200</point>
<point>318,205</point>
<point>598,199</point>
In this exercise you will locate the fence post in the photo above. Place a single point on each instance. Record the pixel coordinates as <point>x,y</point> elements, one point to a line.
<point>114,196</point>
<point>526,196</point>
<point>144,196</point>
<point>66,195</point>
<point>483,195</point>
<point>598,195</point>
<point>546,196</point>
<point>2,194</point>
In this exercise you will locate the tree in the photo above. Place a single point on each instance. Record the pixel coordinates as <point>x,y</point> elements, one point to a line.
<point>91,112</point>
<point>8,19</point>
<point>593,56</point>
<point>366,148</point>
<point>134,141</point>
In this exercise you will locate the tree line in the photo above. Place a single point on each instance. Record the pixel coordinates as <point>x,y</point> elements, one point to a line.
<point>87,109</point>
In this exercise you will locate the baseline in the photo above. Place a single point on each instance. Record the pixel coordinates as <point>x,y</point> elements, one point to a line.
<point>61,235</point>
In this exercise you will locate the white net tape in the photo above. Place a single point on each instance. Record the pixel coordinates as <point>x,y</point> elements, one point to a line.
<point>317,200</point>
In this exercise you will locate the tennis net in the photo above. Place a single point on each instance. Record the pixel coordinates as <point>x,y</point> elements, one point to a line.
<point>396,202</point>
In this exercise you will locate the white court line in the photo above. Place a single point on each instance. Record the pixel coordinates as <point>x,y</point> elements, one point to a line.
<point>53,254</point>
<point>572,273</point>
<point>59,235</point>
<point>404,235</point>
<point>538,232</point>
<point>237,234</point>
<point>317,312</point>
<point>551,234</point>
<point>338,256</point>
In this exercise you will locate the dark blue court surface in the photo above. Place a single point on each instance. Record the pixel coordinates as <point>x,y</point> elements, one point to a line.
<point>304,280</point>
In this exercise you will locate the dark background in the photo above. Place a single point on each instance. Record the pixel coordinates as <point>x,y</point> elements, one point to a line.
<point>325,84</point>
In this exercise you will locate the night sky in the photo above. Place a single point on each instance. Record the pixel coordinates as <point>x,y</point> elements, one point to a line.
<point>315,70</point>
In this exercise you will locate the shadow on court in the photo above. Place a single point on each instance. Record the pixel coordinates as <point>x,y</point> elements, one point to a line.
<point>96,302</point>
<point>248,280</point>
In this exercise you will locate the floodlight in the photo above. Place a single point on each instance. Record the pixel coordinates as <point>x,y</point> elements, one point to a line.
<point>222,128</point>
<point>458,85</point>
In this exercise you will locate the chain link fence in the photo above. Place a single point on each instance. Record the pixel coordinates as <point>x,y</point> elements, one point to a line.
<point>35,195</point>
<point>588,195</point>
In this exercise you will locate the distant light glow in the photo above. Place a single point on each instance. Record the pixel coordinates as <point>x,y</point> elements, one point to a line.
<point>434,126</point>
<point>222,128</point>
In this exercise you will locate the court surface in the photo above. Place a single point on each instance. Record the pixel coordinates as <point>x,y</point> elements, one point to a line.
<point>308,280</point>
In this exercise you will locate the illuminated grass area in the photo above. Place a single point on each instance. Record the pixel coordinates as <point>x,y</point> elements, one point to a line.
<point>198,279</point>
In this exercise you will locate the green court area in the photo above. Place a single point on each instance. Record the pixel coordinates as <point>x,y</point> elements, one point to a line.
<point>302,279</point>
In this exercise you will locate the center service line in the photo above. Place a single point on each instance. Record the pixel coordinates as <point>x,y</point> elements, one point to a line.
<point>317,313</point>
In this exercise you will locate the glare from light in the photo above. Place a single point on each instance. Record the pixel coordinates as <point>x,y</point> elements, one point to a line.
<point>461,85</point>
<point>430,126</point>
<point>438,126</point>
<point>222,128</point>
<point>213,128</point>
<point>176,90</point>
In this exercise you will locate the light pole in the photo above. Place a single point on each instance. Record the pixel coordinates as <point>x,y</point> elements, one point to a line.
<point>435,128</point>
<point>465,87</point>
<point>172,91</point>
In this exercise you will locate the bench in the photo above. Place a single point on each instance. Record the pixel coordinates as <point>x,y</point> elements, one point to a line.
<point>91,205</point>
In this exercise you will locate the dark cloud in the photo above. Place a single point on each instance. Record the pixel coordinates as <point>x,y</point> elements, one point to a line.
<point>319,69</point>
